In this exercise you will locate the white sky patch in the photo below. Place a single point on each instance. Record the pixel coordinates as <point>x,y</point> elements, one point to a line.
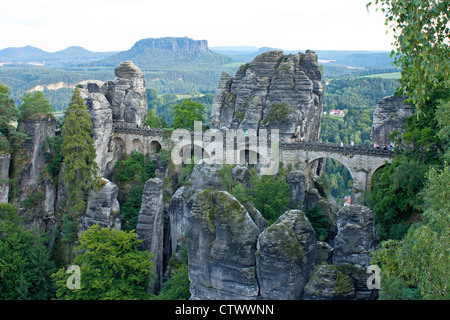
<point>115,25</point>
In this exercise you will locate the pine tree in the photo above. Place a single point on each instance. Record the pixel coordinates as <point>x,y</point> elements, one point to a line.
<point>79,153</point>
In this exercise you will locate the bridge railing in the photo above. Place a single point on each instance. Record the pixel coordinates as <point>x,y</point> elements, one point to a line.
<point>336,148</point>
<point>310,146</point>
<point>134,129</point>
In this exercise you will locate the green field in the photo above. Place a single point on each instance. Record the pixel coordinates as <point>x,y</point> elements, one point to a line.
<point>392,75</point>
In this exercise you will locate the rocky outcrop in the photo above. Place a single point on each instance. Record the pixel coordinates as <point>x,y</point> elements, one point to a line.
<point>150,226</point>
<point>93,92</point>
<point>31,183</point>
<point>274,91</point>
<point>285,257</point>
<point>4,177</point>
<point>328,283</point>
<point>102,207</point>
<point>221,248</point>
<point>126,95</point>
<point>356,236</point>
<point>390,115</point>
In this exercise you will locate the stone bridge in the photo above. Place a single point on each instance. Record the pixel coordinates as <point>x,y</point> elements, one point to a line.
<point>361,162</point>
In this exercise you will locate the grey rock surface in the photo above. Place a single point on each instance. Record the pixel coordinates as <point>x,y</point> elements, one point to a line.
<point>285,257</point>
<point>5,160</point>
<point>222,246</point>
<point>389,115</point>
<point>272,81</point>
<point>126,95</point>
<point>328,283</point>
<point>356,236</point>
<point>93,92</point>
<point>150,226</point>
<point>102,207</point>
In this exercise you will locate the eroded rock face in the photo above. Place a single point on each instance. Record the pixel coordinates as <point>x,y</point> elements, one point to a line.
<point>126,95</point>
<point>32,183</point>
<point>222,246</point>
<point>150,226</point>
<point>93,92</point>
<point>274,91</point>
<point>390,114</point>
<point>102,208</point>
<point>286,256</point>
<point>328,283</point>
<point>356,236</point>
<point>4,176</point>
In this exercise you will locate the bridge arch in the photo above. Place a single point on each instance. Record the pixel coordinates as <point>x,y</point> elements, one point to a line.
<point>319,165</point>
<point>137,145</point>
<point>155,147</point>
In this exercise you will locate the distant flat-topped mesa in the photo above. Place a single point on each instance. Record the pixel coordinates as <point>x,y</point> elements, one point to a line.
<point>174,44</point>
<point>274,91</point>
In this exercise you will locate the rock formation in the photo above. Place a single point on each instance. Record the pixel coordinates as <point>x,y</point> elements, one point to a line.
<point>150,226</point>
<point>5,159</point>
<point>222,246</point>
<point>32,185</point>
<point>390,115</point>
<point>93,92</point>
<point>126,95</point>
<point>328,283</point>
<point>274,91</point>
<point>103,207</point>
<point>356,236</point>
<point>285,257</point>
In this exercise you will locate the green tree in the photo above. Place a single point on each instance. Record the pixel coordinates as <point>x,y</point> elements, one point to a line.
<point>34,105</point>
<point>112,267</point>
<point>79,153</point>
<point>25,265</point>
<point>422,259</point>
<point>185,114</point>
<point>269,194</point>
<point>422,51</point>
<point>10,139</point>
<point>154,121</point>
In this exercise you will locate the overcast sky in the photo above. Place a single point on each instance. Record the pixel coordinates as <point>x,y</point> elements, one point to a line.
<point>115,25</point>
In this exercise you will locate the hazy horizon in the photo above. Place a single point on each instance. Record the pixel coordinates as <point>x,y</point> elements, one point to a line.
<point>113,25</point>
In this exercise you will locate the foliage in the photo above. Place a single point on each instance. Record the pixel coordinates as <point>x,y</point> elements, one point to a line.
<point>177,286</point>
<point>340,180</point>
<point>34,105</point>
<point>112,267</point>
<point>136,169</point>
<point>154,121</point>
<point>186,113</point>
<point>10,139</point>
<point>356,126</point>
<point>278,113</point>
<point>422,258</point>
<point>394,198</point>
<point>241,193</point>
<point>226,177</point>
<point>25,264</point>
<point>131,207</point>
<point>53,157</point>
<point>318,220</point>
<point>355,93</point>
<point>421,34</point>
<point>79,153</point>
<point>269,194</point>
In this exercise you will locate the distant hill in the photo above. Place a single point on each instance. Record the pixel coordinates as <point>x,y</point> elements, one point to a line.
<point>168,53</point>
<point>66,57</point>
<point>365,59</point>
<point>242,54</point>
